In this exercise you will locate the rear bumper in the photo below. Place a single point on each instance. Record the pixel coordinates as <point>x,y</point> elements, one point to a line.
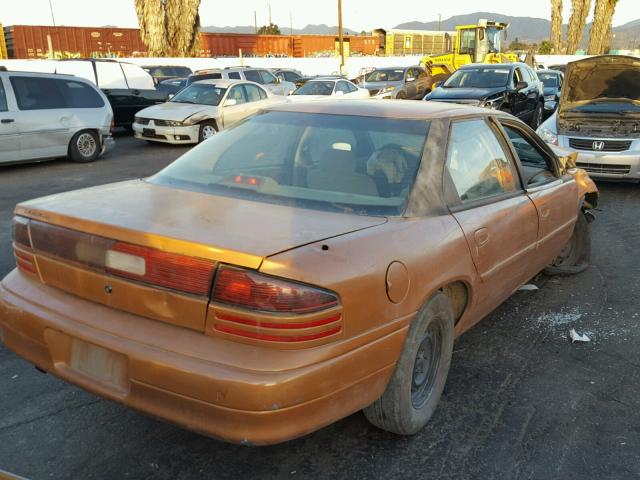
<point>174,135</point>
<point>233,392</point>
<point>608,165</point>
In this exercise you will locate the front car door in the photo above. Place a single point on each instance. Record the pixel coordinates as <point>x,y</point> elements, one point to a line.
<point>9,137</point>
<point>487,199</point>
<point>518,96</point>
<point>553,195</point>
<point>410,83</point>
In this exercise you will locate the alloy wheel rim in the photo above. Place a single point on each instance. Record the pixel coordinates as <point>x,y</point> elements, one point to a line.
<point>426,365</point>
<point>208,131</point>
<point>86,144</point>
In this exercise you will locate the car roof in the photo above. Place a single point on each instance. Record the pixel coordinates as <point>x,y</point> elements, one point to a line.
<point>549,70</point>
<point>493,65</point>
<point>326,79</point>
<point>395,68</point>
<point>400,109</point>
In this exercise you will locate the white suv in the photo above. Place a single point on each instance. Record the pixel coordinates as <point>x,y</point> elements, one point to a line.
<point>45,115</point>
<point>258,75</point>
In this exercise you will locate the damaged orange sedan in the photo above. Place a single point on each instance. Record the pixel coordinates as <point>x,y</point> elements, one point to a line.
<point>313,261</point>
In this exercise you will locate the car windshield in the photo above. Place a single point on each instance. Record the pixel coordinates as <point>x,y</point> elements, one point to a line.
<point>391,75</point>
<point>478,78</point>
<point>550,80</point>
<point>351,164</point>
<point>201,94</point>
<point>315,88</point>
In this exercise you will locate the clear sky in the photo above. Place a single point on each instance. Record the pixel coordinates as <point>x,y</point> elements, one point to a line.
<point>358,14</point>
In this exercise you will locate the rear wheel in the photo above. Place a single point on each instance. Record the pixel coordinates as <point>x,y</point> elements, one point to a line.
<point>421,372</point>
<point>84,146</point>
<point>576,254</point>
<point>536,120</point>
<point>207,130</point>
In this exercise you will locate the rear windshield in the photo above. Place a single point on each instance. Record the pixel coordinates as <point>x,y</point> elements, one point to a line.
<point>549,79</point>
<point>315,88</point>
<point>362,165</point>
<point>395,75</point>
<point>478,78</point>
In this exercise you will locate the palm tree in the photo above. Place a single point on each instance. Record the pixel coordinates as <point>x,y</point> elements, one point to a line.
<point>577,22</point>
<point>169,27</point>
<point>601,28</point>
<point>556,25</point>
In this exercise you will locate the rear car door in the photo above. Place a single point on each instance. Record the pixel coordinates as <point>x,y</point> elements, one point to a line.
<point>9,138</point>
<point>484,193</point>
<point>554,196</point>
<point>42,119</point>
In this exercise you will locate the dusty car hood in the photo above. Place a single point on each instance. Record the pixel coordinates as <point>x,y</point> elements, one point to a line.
<point>606,76</point>
<point>441,93</point>
<point>176,111</point>
<point>224,229</point>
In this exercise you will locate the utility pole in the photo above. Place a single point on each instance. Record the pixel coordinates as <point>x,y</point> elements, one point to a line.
<point>269,5</point>
<point>255,20</point>
<point>290,23</point>
<point>439,22</point>
<point>340,37</point>
<point>52,17</point>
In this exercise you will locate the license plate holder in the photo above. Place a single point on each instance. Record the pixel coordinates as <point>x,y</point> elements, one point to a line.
<point>99,364</point>
<point>148,132</point>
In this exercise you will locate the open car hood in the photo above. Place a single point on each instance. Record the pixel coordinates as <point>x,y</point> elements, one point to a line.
<point>606,76</point>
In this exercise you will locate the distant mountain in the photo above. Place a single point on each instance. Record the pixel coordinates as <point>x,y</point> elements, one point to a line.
<point>321,29</point>
<point>527,29</point>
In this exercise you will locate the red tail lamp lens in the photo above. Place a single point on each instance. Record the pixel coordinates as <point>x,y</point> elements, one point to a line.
<point>21,231</point>
<point>261,292</point>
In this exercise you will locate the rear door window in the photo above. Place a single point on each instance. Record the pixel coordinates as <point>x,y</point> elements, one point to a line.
<point>477,164</point>
<point>234,75</point>
<point>37,93</point>
<point>110,75</point>
<point>137,78</point>
<point>267,77</point>
<point>237,93</point>
<point>80,95</point>
<point>252,92</point>
<point>253,76</point>
<point>3,98</point>
<point>342,87</point>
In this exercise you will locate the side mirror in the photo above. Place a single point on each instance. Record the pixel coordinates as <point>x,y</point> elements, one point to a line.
<point>411,79</point>
<point>230,102</point>
<point>437,84</point>
<point>278,80</point>
<point>521,85</point>
<point>339,93</point>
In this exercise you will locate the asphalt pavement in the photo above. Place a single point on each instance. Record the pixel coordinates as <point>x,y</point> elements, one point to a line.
<point>521,402</point>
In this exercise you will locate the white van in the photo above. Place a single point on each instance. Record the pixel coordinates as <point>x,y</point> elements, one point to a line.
<point>45,115</point>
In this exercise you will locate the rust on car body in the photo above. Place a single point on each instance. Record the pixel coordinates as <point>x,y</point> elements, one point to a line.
<point>254,308</point>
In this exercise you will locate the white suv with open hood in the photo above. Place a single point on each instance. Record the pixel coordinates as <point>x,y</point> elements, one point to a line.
<point>599,116</point>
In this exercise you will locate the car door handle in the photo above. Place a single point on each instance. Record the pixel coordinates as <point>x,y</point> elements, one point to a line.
<point>481,236</point>
<point>7,120</point>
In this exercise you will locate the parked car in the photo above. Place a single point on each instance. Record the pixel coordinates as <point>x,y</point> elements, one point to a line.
<point>562,67</point>
<point>510,87</point>
<point>257,290</point>
<point>598,116</point>
<point>258,75</point>
<point>161,73</point>
<point>201,110</point>
<point>127,86</point>
<point>401,83</point>
<point>288,75</point>
<point>172,86</point>
<point>552,82</point>
<point>329,88</point>
<point>46,116</point>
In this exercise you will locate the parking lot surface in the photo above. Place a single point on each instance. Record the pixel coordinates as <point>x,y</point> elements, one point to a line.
<point>521,400</point>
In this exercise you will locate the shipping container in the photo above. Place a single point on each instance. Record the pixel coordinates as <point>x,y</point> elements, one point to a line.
<point>414,42</point>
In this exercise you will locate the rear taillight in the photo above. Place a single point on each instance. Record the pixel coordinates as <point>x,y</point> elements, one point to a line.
<point>261,292</point>
<point>254,306</point>
<point>135,262</point>
<point>22,245</point>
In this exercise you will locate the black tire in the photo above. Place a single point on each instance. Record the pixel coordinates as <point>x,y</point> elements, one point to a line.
<point>536,119</point>
<point>204,128</point>
<point>85,146</point>
<point>576,254</point>
<point>406,405</point>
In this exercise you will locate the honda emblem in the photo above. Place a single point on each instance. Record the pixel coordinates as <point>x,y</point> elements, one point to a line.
<point>598,145</point>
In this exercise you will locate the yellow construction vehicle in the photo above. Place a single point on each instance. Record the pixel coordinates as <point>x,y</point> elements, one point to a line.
<point>481,43</point>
